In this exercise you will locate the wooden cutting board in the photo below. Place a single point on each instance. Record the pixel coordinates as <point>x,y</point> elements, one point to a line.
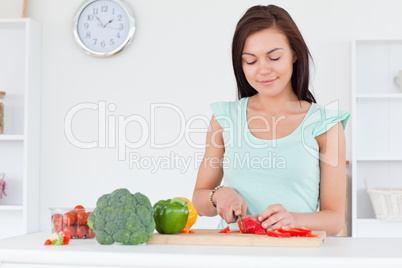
<point>235,238</point>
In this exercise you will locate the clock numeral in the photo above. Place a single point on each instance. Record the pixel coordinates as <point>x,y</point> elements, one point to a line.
<point>95,10</point>
<point>103,43</point>
<point>88,35</point>
<point>86,25</point>
<point>119,17</point>
<point>111,42</point>
<point>121,26</point>
<point>95,40</point>
<point>118,35</point>
<point>113,11</point>
<point>104,8</point>
<point>90,17</point>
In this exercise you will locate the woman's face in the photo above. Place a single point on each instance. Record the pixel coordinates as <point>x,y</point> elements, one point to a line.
<point>267,62</point>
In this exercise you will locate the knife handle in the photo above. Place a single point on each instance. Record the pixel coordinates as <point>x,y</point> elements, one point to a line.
<point>235,216</point>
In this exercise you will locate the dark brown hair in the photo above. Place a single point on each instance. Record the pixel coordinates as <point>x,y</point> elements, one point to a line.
<point>259,18</point>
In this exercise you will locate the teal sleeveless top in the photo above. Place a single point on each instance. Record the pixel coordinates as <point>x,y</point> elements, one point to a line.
<point>282,171</point>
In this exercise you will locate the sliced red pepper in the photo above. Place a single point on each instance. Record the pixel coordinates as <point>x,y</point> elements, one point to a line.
<point>294,231</point>
<point>259,229</point>
<point>251,223</point>
<point>48,242</point>
<point>226,230</point>
<point>191,231</point>
<point>276,233</point>
<point>313,235</point>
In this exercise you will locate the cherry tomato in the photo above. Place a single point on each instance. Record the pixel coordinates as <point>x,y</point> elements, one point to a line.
<point>57,223</point>
<point>57,226</point>
<point>81,231</point>
<point>69,218</point>
<point>82,218</point>
<point>90,233</point>
<point>56,216</point>
<point>70,230</point>
<point>79,208</point>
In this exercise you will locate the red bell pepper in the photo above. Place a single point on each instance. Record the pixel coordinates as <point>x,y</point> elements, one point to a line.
<point>251,223</point>
<point>276,233</point>
<point>294,231</point>
<point>226,230</point>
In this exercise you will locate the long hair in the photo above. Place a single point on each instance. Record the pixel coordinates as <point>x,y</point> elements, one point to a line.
<point>259,18</point>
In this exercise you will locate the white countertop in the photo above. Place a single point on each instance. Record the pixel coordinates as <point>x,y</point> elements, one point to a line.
<point>334,252</point>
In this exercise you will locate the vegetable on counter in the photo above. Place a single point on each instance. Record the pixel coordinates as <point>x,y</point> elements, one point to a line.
<point>253,226</point>
<point>225,230</point>
<point>192,214</point>
<point>59,238</point>
<point>122,217</point>
<point>73,222</point>
<point>170,215</point>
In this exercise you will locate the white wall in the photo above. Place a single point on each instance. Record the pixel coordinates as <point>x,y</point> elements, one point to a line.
<point>180,55</point>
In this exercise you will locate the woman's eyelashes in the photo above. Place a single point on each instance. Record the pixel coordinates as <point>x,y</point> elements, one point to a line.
<point>252,62</point>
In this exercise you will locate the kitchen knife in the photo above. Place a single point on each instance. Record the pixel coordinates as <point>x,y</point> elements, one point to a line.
<point>238,217</point>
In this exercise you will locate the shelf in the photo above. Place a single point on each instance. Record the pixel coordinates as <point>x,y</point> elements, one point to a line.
<point>378,228</point>
<point>379,96</point>
<point>6,137</point>
<point>10,208</point>
<point>385,159</point>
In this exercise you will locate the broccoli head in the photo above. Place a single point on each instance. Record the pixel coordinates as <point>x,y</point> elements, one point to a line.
<point>122,217</point>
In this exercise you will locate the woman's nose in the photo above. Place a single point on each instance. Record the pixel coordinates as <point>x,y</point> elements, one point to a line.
<point>264,67</point>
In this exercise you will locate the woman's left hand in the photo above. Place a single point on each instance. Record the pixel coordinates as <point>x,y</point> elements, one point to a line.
<point>276,216</point>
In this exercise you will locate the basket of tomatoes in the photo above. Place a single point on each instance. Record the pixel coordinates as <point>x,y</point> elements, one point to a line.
<point>71,221</point>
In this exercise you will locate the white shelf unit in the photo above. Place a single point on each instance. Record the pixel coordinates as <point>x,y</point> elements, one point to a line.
<point>20,73</point>
<point>376,131</point>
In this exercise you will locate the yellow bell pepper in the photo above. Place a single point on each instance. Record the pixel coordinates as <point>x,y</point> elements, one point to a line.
<point>192,214</point>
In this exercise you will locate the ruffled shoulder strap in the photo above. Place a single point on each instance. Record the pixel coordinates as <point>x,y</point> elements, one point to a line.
<point>226,112</point>
<point>329,118</point>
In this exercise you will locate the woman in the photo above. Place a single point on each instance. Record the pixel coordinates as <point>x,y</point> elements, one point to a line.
<point>281,155</point>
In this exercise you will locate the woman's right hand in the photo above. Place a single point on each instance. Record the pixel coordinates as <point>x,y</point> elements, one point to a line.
<point>228,200</point>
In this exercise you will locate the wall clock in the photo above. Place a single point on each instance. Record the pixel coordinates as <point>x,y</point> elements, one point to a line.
<point>103,27</point>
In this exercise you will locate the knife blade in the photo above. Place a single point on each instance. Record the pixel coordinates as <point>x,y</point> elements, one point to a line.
<point>238,217</point>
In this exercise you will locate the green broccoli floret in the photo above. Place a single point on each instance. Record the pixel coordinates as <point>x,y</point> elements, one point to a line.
<point>122,217</point>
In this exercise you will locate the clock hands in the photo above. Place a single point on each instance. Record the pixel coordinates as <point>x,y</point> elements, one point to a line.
<point>99,21</point>
<point>110,21</point>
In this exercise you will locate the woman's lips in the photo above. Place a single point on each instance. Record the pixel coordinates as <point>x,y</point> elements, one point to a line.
<point>267,82</point>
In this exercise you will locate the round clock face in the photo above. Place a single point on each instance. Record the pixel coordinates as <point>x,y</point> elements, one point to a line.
<point>103,27</point>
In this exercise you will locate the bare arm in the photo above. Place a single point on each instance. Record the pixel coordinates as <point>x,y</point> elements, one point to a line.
<point>210,175</point>
<point>332,186</point>
<point>330,218</point>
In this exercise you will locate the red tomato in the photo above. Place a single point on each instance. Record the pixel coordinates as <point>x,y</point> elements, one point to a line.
<point>70,231</point>
<point>57,226</point>
<point>79,208</point>
<point>48,242</point>
<point>81,231</point>
<point>90,233</point>
<point>57,223</point>
<point>82,218</point>
<point>56,216</point>
<point>69,218</point>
